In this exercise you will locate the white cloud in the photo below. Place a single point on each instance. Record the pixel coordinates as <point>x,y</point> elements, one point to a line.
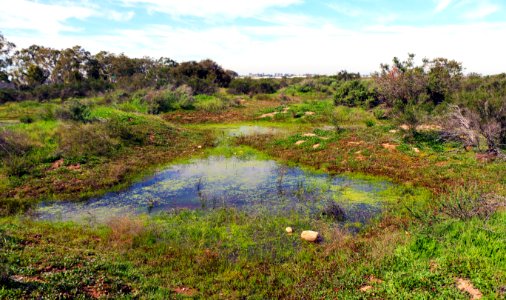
<point>119,16</point>
<point>346,9</point>
<point>46,18</point>
<point>481,11</point>
<point>290,43</point>
<point>442,5</point>
<point>212,8</point>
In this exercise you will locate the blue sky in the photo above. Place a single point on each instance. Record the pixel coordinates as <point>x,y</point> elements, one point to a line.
<point>297,36</point>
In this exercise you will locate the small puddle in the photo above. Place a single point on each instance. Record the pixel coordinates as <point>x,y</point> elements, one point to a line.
<point>218,182</point>
<point>252,130</point>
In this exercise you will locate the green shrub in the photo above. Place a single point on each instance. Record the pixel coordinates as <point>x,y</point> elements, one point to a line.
<point>9,207</point>
<point>369,123</point>
<point>169,99</point>
<point>18,165</point>
<point>380,114</point>
<point>75,110</point>
<point>355,93</point>
<point>26,119</point>
<point>250,86</point>
<point>9,94</point>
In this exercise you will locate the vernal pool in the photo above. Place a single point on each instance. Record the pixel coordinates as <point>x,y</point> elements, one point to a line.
<point>224,182</point>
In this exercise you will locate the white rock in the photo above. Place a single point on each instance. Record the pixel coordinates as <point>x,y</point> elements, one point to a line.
<point>310,236</point>
<point>289,229</point>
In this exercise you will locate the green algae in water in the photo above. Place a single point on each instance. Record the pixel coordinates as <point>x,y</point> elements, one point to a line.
<point>249,130</point>
<point>246,183</point>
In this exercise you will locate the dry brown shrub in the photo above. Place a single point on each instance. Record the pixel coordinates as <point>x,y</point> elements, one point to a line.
<point>124,230</point>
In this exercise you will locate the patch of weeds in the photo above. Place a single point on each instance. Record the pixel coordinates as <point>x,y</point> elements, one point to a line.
<point>370,123</point>
<point>465,203</point>
<point>427,140</point>
<point>26,119</point>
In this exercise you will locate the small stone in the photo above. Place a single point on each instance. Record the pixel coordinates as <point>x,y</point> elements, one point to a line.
<point>200,147</point>
<point>389,146</point>
<point>310,236</point>
<point>316,146</point>
<point>298,143</point>
<point>310,113</point>
<point>309,135</point>
<point>393,131</point>
<point>416,150</point>
<point>365,288</point>
<point>289,230</point>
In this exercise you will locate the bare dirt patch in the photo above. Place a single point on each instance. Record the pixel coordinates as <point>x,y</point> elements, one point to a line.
<point>389,146</point>
<point>236,114</point>
<point>185,291</point>
<point>466,286</point>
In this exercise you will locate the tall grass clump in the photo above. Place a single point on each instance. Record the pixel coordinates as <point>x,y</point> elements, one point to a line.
<point>210,103</point>
<point>14,149</point>
<point>169,99</point>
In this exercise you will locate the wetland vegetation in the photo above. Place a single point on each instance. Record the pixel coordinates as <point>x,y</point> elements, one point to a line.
<point>177,180</point>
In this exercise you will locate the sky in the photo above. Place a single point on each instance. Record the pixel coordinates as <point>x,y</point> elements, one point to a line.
<point>270,36</point>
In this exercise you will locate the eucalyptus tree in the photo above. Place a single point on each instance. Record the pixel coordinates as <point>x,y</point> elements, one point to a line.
<point>6,49</point>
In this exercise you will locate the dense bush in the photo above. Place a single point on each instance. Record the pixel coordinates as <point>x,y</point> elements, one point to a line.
<point>75,110</point>
<point>170,98</point>
<point>9,94</point>
<point>249,86</point>
<point>355,93</point>
<point>414,91</point>
<point>204,77</point>
<point>322,84</point>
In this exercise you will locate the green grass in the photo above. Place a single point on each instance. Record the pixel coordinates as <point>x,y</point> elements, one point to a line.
<point>229,254</point>
<point>437,255</point>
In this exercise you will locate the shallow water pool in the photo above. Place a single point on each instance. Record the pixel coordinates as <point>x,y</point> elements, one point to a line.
<point>222,182</point>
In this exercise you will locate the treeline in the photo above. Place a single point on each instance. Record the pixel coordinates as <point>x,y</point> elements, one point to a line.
<point>45,73</point>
